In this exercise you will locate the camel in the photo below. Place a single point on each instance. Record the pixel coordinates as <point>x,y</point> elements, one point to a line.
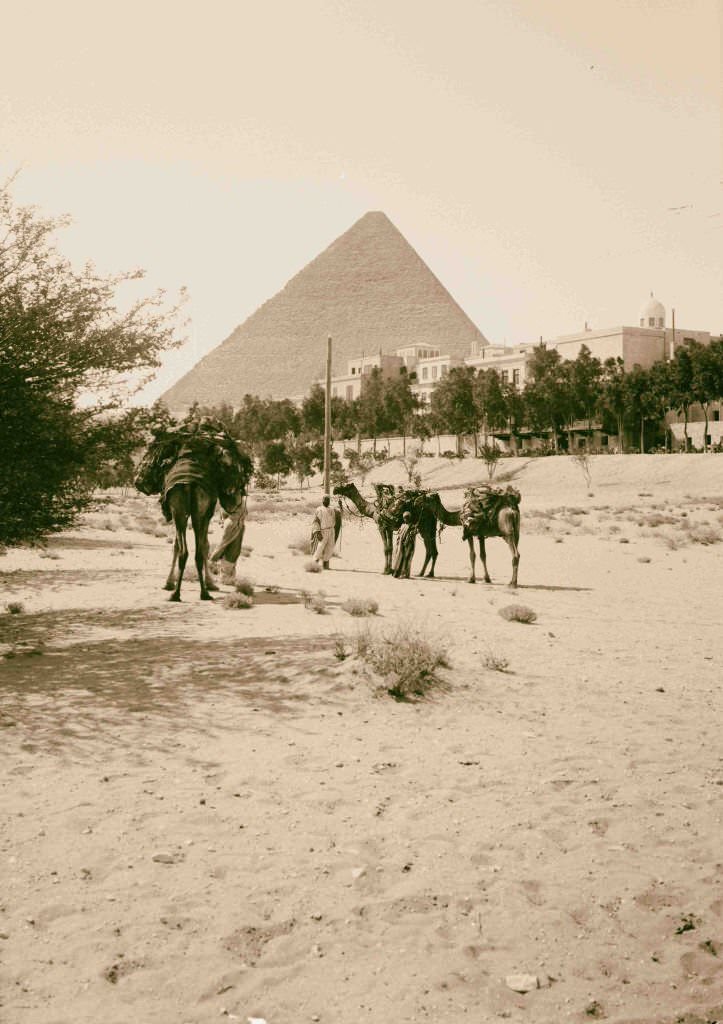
<point>387,514</point>
<point>189,491</point>
<point>504,523</point>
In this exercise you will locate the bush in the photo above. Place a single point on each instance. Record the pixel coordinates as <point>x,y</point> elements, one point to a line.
<point>245,586</point>
<point>315,603</point>
<point>237,601</point>
<point>15,607</point>
<point>407,662</point>
<point>494,661</point>
<point>518,613</point>
<point>360,606</point>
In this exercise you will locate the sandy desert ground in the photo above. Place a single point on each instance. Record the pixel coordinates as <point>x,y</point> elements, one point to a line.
<point>207,814</point>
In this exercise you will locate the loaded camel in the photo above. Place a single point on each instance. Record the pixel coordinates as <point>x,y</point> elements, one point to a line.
<point>486,512</point>
<point>387,511</point>
<point>193,467</point>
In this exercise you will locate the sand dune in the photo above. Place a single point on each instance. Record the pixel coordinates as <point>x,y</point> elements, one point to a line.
<point>208,815</point>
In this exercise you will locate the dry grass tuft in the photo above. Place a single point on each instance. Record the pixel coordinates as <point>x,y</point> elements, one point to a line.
<point>360,606</point>
<point>314,602</point>
<point>243,585</point>
<point>407,661</point>
<point>238,601</point>
<point>494,661</point>
<point>518,613</point>
<point>15,607</point>
<point>312,567</point>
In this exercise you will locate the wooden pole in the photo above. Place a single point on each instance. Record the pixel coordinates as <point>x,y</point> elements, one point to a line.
<point>327,419</point>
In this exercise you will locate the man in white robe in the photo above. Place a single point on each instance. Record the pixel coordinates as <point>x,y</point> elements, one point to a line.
<point>323,530</point>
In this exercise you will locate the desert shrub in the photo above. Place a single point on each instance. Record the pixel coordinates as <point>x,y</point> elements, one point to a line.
<point>312,567</point>
<point>341,652</point>
<point>407,661</point>
<point>360,606</point>
<point>316,603</point>
<point>237,601</point>
<point>494,661</point>
<point>518,613</point>
<point>244,585</point>
<point>15,607</point>
<point>702,533</point>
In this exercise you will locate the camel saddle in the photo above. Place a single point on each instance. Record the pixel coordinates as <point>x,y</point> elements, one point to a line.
<point>482,506</point>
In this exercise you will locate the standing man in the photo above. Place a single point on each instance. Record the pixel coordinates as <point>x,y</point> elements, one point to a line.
<point>229,550</point>
<point>404,548</point>
<point>322,531</point>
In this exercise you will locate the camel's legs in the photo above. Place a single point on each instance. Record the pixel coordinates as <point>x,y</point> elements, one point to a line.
<point>180,520</point>
<point>512,544</point>
<point>170,583</point>
<point>387,539</point>
<point>201,519</point>
<point>483,556</point>
<point>470,541</point>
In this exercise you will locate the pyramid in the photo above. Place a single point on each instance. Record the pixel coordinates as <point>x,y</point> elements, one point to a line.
<point>369,290</point>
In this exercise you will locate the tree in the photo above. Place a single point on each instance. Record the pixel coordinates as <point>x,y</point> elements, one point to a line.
<point>614,395</point>
<point>276,460</point>
<point>586,387</point>
<point>453,403</point>
<point>645,393</point>
<point>707,378</point>
<point>680,393</point>
<point>371,407</point>
<point>400,404</point>
<point>547,392</point>
<point>62,336</point>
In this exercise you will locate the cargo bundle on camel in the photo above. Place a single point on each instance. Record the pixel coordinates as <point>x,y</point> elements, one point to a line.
<point>192,466</point>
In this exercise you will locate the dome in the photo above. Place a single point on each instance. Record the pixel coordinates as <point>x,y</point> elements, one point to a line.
<point>653,313</point>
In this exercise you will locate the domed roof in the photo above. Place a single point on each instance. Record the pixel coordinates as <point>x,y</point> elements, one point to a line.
<point>652,310</point>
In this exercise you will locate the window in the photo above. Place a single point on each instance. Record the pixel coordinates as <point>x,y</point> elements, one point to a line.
<point>434,373</point>
<point>425,371</point>
<point>716,415</point>
<point>505,376</point>
<point>515,377</point>
<point>444,370</point>
<point>651,321</point>
<point>660,321</point>
<point>604,440</point>
<point>349,392</point>
<point>353,370</point>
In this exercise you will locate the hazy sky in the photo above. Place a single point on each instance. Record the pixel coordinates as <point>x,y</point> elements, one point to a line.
<point>551,160</point>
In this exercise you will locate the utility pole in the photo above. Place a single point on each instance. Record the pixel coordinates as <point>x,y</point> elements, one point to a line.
<point>327,418</point>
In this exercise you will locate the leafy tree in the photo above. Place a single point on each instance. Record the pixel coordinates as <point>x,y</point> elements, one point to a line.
<point>312,410</point>
<point>547,392</point>
<point>372,412</point>
<point>276,460</point>
<point>62,336</point>
<point>400,405</point>
<point>453,403</point>
<point>614,396</point>
<point>707,378</point>
<point>586,387</point>
<point>681,391</point>
<point>514,407</point>
<point>645,392</point>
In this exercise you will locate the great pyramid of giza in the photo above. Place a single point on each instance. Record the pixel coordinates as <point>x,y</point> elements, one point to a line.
<point>369,290</point>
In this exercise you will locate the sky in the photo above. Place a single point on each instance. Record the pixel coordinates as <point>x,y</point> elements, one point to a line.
<point>552,161</point>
